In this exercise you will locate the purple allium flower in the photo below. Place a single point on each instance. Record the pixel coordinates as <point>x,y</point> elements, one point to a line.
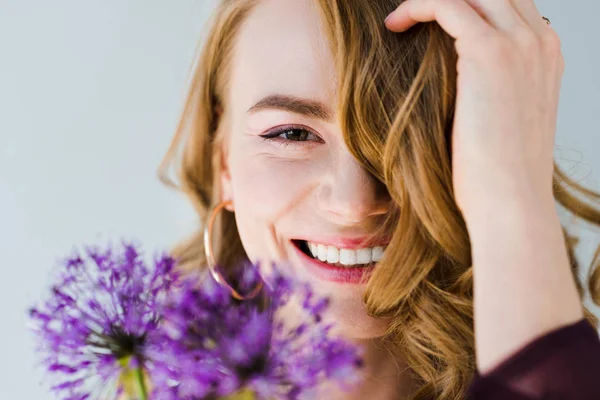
<point>94,329</point>
<point>215,345</point>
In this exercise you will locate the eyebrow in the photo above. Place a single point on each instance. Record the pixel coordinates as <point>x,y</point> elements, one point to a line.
<point>307,107</point>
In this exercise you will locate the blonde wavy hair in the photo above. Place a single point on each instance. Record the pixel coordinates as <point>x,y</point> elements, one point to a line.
<point>396,102</point>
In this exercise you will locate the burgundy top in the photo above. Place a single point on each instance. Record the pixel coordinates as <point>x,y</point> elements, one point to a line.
<point>562,364</point>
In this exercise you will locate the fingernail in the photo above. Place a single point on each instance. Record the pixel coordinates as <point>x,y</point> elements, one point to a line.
<point>388,17</point>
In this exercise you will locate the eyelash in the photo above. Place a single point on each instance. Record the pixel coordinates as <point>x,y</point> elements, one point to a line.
<point>276,136</point>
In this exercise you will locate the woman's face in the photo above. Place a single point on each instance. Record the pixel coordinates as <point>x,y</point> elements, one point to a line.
<point>292,180</point>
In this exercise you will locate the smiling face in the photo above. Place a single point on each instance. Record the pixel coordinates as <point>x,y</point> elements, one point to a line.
<point>297,191</point>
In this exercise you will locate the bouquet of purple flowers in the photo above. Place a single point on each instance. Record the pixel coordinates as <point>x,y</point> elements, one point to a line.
<point>114,328</point>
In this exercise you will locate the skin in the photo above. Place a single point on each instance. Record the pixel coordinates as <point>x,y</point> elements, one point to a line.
<point>283,192</point>
<point>309,187</point>
<point>510,68</point>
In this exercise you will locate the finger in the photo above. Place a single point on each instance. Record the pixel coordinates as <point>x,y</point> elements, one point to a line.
<point>530,14</point>
<point>501,14</point>
<point>456,17</point>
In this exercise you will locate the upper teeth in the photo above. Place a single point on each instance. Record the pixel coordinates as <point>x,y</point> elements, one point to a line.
<point>334,255</point>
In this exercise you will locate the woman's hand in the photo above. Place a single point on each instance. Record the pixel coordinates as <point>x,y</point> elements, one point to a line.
<point>510,68</point>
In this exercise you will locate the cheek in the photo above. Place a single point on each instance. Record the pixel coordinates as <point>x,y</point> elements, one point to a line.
<point>266,193</point>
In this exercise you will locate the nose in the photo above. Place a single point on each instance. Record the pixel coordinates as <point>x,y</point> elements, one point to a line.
<point>349,194</point>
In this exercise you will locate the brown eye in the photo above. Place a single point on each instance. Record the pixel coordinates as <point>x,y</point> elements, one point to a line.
<point>293,134</point>
<point>297,135</point>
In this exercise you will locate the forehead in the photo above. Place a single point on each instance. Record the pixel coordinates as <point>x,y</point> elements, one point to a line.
<point>282,49</point>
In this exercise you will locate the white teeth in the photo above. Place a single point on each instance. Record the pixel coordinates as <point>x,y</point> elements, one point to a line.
<point>347,257</point>
<point>322,252</point>
<point>364,256</point>
<point>333,255</point>
<point>377,253</point>
<point>313,249</point>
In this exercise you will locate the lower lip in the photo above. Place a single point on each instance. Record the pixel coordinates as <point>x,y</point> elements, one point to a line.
<point>331,273</point>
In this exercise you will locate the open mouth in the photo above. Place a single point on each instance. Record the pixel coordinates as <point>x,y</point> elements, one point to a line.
<point>303,246</point>
<point>340,257</point>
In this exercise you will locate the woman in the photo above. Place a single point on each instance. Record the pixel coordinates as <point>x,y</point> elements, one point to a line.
<point>406,170</point>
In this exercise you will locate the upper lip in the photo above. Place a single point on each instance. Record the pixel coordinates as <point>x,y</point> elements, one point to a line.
<point>350,243</point>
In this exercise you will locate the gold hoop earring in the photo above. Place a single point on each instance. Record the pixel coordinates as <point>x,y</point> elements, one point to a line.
<point>210,257</point>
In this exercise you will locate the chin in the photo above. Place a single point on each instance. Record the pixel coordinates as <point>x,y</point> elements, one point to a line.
<point>346,310</point>
<point>351,319</point>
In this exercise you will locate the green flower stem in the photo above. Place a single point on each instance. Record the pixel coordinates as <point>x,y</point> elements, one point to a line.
<point>244,394</point>
<point>141,385</point>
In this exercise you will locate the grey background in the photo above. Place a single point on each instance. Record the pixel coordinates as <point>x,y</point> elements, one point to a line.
<point>90,93</point>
